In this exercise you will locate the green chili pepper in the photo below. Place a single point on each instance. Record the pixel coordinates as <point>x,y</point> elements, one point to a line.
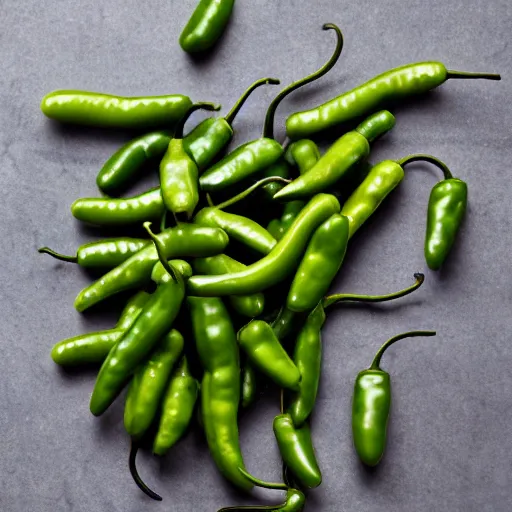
<point>295,501</point>
<point>220,388</point>
<point>94,347</point>
<point>279,168</point>
<point>285,323</point>
<point>102,254</point>
<point>107,111</point>
<point>154,321</point>
<point>347,151</point>
<point>258,155</point>
<point>278,264</point>
<point>265,352</point>
<point>393,85</point>
<point>206,25</point>
<point>320,264</point>
<point>296,448</point>
<point>179,172</point>
<point>106,211</point>
<point>371,404</point>
<point>185,240</point>
<point>246,305</point>
<point>249,385</point>
<point>123,165</point>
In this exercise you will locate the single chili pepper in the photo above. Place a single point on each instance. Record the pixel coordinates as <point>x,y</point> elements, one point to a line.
<point>185,240</point>
<point>107,211</point>
<point>278,264</point>
<point>208,138</point>
<point>102,254</point>
<point>264,351</point>
<point>206,25</point>
<point>220,388</point>
<point>320,264</point>
<point>294,502</point>
<point>179,172</point>
<point>177,408</point>
<point>296,448</point>
<point>393,85</point>
<point>347,151</point>
<point>132,348</point>
<point>94,347</point>
<point>258,155</point>
<point>107,111</point>
<point>249,385</point>
<point>371,404</point>
<point>246,305</point>
<point>123,165</point>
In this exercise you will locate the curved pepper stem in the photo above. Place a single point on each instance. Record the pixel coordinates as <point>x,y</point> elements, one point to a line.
<point>268,128</point>
<point>58,256</point>
<point>135,475</point>
<point>469,75</point>
<point>349,297</point>
<point>421,157</point>
<point>161,252</point>
<point>261,483</point>
<point>178,132</point>
<point>412,334</point>
<point>239,104</point>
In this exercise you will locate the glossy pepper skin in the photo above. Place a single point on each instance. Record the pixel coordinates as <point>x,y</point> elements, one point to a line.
<point>393,85</point>
<point>371,404</point>
<point>177,408</point>
<point>278,264</point>
<point>249,385</point>
<point>148,384</point>
<point>220,388</point>
<point>107,111</point>
<point>122,166</point>
<point>320,264</point>
<point>246,305</point>
<point>107,211</point>
<point>185,240</point>
<point>179,172</point>
<point>206,25</point>
<point>102,254</point>
<point>347,151</point>
<point>297,452</point>
<point>294,502</point>
<point>93,348</point>
<point>266,353</point>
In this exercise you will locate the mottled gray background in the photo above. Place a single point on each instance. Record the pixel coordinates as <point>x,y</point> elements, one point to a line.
<point>450,435</point>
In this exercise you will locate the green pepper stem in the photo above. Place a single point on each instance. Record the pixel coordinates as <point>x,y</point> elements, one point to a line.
<point>346,297</point>
<point>261,483</point>
<point>268,128</point>
<point>421,157</point>
<point>239,104</point>
<point>160,251</point>
<point>250,190</point>
<point>463,74</point>
<point>394,339</point>
<point>58,256</point>
<point>178,132</point>
<point>138,480</point>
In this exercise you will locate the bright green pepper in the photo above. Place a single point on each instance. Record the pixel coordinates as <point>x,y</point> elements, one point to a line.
<point>391,86</point>
<point>179,172</point>
<point>347,151</point>
<point>102,254</point>
<point>220,388</point>
<point>206,25</point>
<point>264,351</point>
<point>107,111</point>
<point>320,264</point>
<point>278,264</point>
<point>371,405</point>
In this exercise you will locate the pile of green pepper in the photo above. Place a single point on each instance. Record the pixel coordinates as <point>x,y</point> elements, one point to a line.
<point>221,305</point>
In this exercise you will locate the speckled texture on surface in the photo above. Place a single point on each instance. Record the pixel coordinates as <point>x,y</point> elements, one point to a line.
<point>450,437</point>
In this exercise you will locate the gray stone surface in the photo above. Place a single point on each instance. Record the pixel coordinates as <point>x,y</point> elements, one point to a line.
<point>450,435</point>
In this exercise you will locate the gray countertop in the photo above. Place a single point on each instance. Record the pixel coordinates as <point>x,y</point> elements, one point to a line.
<point>450,438</point>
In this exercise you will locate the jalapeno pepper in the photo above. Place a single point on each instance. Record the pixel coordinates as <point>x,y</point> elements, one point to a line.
<point>371,404</point>
<point>393,85</point>
<point>347,151</point>
<point>107,111</point>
